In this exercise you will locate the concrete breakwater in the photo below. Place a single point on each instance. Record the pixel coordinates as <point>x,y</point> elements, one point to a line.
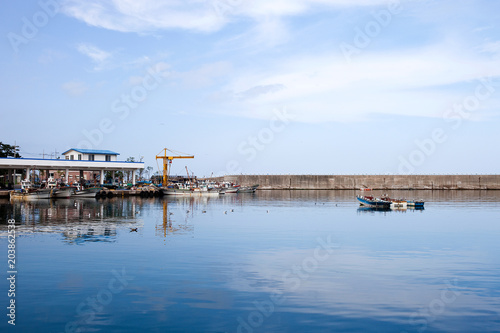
<point>376,182</point>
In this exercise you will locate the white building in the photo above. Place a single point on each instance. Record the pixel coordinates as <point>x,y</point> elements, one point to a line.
<point>90,155</point>
<point>77,165</point>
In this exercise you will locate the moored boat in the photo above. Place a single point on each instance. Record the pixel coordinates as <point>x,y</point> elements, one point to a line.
<point>370,201</point>
<point>229,188</point>
<point>191,192</point>
<point>415,203</point>
<point>87,193</point>
<point>403,204</point>
<point>45,193</point>
<point>248,189</point>
<point>63,192</point>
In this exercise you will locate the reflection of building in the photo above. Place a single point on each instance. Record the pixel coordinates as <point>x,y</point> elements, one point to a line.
<point>78,220</point>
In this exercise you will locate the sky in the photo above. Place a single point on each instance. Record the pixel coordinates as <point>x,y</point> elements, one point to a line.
<point>257,87</point>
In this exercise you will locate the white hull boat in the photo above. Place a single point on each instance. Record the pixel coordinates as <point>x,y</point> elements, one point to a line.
<point>190,192</point>
<point>63,193</point>
<point>35,195</point>
<point>87,193</point>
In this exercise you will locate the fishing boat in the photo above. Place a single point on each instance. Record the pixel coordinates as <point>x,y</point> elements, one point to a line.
<point>403,204</point>
<point>45,193</point>
<point>229,188</point>
<point>417,204</point>
<point>248,189</point>
<point>87,193</point>
<point>63,192</point>
<point>395,203</point>
<point>189,189</point>
<point>190,192</point>
<point>370,201</point>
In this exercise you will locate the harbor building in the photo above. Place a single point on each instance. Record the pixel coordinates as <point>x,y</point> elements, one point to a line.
<point>77,165</point>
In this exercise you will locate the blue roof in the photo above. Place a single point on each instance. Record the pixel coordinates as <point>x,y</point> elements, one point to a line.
<point>92,151</point>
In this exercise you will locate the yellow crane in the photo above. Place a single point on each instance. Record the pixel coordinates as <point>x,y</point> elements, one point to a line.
<point>167,155</point>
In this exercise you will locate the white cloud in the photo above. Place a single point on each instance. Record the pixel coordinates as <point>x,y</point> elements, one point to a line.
<point>327,88</point>
<point>198,15</point>
<point>75,88</point>
<point>98,56</point>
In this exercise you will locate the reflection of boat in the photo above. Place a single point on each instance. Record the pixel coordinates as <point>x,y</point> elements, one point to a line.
<point>365,209</point>
<point>373,202</point>
<point>88,192</point>
<point>248,189</point>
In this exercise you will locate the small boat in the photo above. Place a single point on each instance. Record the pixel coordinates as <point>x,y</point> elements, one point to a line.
<point>417,204</point>
<point>63,192</point>
<point>403,204</point>
<point>373,202</point>
<point>396,203</point>
<point>248,189</point>
<point>87,193</point>
<point>194,192</point>
<point>45,193</point>
<point>229,188</point>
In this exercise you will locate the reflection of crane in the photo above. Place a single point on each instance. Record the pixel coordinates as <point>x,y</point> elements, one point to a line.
<point>167,161</point>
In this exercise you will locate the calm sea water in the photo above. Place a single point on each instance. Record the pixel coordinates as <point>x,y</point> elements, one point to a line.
<point>274,261</point>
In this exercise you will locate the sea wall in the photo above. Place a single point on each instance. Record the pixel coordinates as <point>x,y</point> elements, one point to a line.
<point>376,182</point>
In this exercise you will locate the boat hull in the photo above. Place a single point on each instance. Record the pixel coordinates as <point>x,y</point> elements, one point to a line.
<point>36,195</point>
<point>188,193</point>
<point>87,193</point>
<point>63,193</point>
<point>248,189</point>
<point>373,203</point>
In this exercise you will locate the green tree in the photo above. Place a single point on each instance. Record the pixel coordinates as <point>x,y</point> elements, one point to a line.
<point>9,150</point>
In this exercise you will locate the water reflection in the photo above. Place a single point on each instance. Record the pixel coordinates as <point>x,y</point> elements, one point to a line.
<point>178,213</point>
<point>197,268</point>
<point>77,220</point>
<point>373,210</point>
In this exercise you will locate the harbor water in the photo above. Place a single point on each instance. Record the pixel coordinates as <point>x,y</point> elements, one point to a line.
<point>272,261</point>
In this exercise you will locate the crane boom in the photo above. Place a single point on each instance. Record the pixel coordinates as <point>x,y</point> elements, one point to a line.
<point>167,161</point>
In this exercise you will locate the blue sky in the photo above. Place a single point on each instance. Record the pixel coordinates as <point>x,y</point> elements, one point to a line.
<point>278,87</point>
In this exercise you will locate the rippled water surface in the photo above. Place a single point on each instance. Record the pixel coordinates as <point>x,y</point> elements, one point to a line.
<point>274,261</point>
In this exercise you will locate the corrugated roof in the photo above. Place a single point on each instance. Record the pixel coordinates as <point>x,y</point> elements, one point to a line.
<point>92,151</point>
